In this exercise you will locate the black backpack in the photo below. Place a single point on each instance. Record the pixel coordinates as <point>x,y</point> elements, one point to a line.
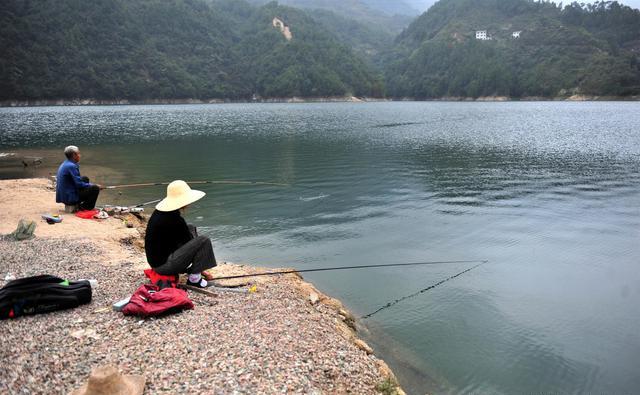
<point>42,294</point>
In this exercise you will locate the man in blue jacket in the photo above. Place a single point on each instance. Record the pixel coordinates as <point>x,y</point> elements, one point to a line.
<point>71,188</point>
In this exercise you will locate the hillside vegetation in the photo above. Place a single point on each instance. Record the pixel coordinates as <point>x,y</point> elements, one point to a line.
<point>159,49</point>
<point>590,50</point>
<point>367,40</point>
<point>141,50</point>
<point>391,16</point>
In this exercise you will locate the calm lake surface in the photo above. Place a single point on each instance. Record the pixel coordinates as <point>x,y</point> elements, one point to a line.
<point>548,192</point>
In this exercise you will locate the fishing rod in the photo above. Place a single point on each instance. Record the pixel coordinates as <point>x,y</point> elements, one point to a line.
<point>133,206</point>
<point>395,302</point>
<point>147,203</point>
<point>231,182</point>
<point>192,182</point>
<point>224,182</point>
<point>324,269</point>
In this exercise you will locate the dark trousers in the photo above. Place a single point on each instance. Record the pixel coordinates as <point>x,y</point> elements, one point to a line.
<point>194,257</point>
<point>88,196</point>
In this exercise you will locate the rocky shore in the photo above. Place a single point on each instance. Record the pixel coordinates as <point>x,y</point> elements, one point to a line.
<point>107,102</point>
<point>285,338</point>
<point>332,99</point>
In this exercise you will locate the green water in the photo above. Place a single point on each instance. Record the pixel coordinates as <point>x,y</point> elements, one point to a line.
<point>547,192</point>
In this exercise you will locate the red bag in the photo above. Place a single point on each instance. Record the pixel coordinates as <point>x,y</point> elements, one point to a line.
<point>87,214</point>
<point>150,300</point>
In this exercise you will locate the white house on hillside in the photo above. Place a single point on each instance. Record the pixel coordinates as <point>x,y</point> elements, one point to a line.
<point>481,35</point>
<point>516,34</point>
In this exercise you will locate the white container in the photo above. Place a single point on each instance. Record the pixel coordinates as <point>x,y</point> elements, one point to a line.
<point>119,305</point>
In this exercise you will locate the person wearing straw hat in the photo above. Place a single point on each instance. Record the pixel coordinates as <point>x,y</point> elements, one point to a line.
<point>173,247</point>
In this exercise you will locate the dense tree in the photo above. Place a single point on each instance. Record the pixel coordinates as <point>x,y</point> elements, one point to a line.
<point>579,49</point>
<point>228,49</point>
<point>170,49</point>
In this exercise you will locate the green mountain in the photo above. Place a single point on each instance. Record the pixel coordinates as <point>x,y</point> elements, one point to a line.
<point>421,5</point>
<point>171,49</point>
<point>398,7</point>
<point>386,16</point>
<point>140,50</point>
<point>578,49</point>
<point>366,40</point>
<point>369,27</point>
<point>313,63</point>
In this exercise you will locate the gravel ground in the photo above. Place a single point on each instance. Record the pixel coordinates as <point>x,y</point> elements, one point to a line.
<point>272,341</point>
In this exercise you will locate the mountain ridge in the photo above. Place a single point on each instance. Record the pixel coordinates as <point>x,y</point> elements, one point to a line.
<point>229,50</point>
<point>153,49</point>
<point>574,50</point>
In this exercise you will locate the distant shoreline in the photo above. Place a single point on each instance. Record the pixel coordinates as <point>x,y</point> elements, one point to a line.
<point>333,99</point>
<point>100,102</point>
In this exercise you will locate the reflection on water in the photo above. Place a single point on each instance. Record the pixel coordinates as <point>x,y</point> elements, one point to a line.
<point>548,192</point>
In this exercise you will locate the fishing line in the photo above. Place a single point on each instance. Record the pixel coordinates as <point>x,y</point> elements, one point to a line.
<point>218,182</point>
<point>317,200</point>
<point>324,269</point>
<point>321,200</point>
<point>223,182</point>
<point>395,302</point>
<point>305,203</point>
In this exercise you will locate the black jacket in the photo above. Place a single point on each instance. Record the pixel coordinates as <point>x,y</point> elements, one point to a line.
<point>166,232</point>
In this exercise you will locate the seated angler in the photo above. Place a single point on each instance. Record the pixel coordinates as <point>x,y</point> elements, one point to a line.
<point>172,246</point>
<point>71,188</point>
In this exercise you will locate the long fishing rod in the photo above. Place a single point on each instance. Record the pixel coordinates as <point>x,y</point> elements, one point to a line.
<point>131,207</point>
<point>225,182</point>
<point>395,302</point>
<point>324,269</point>
<point>191,182</point>
<point>147,203</point>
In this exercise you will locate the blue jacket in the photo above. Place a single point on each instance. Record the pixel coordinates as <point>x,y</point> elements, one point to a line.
<point>69,182</point>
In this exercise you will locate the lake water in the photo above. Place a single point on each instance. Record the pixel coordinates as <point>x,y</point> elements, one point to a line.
<point>548,192</point>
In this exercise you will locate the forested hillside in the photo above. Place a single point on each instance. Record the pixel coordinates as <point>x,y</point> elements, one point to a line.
<point>141,50</point>
<point>159,49</point>
<point>369,27</point>
<point>367,40</point>
<point>589,50</point>
<point>387,15</point>
<point>396,7</point>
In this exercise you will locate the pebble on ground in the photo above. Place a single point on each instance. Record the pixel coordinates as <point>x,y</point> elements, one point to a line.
<point>272,341</point>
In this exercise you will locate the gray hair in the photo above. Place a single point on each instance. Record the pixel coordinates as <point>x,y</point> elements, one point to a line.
<point>70,150</point>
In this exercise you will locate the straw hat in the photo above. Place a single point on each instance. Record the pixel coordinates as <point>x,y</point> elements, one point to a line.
<point>179,194</point>
<point>107,380</point>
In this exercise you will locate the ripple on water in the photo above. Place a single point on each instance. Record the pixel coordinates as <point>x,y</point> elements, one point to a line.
<point>548,190</point>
